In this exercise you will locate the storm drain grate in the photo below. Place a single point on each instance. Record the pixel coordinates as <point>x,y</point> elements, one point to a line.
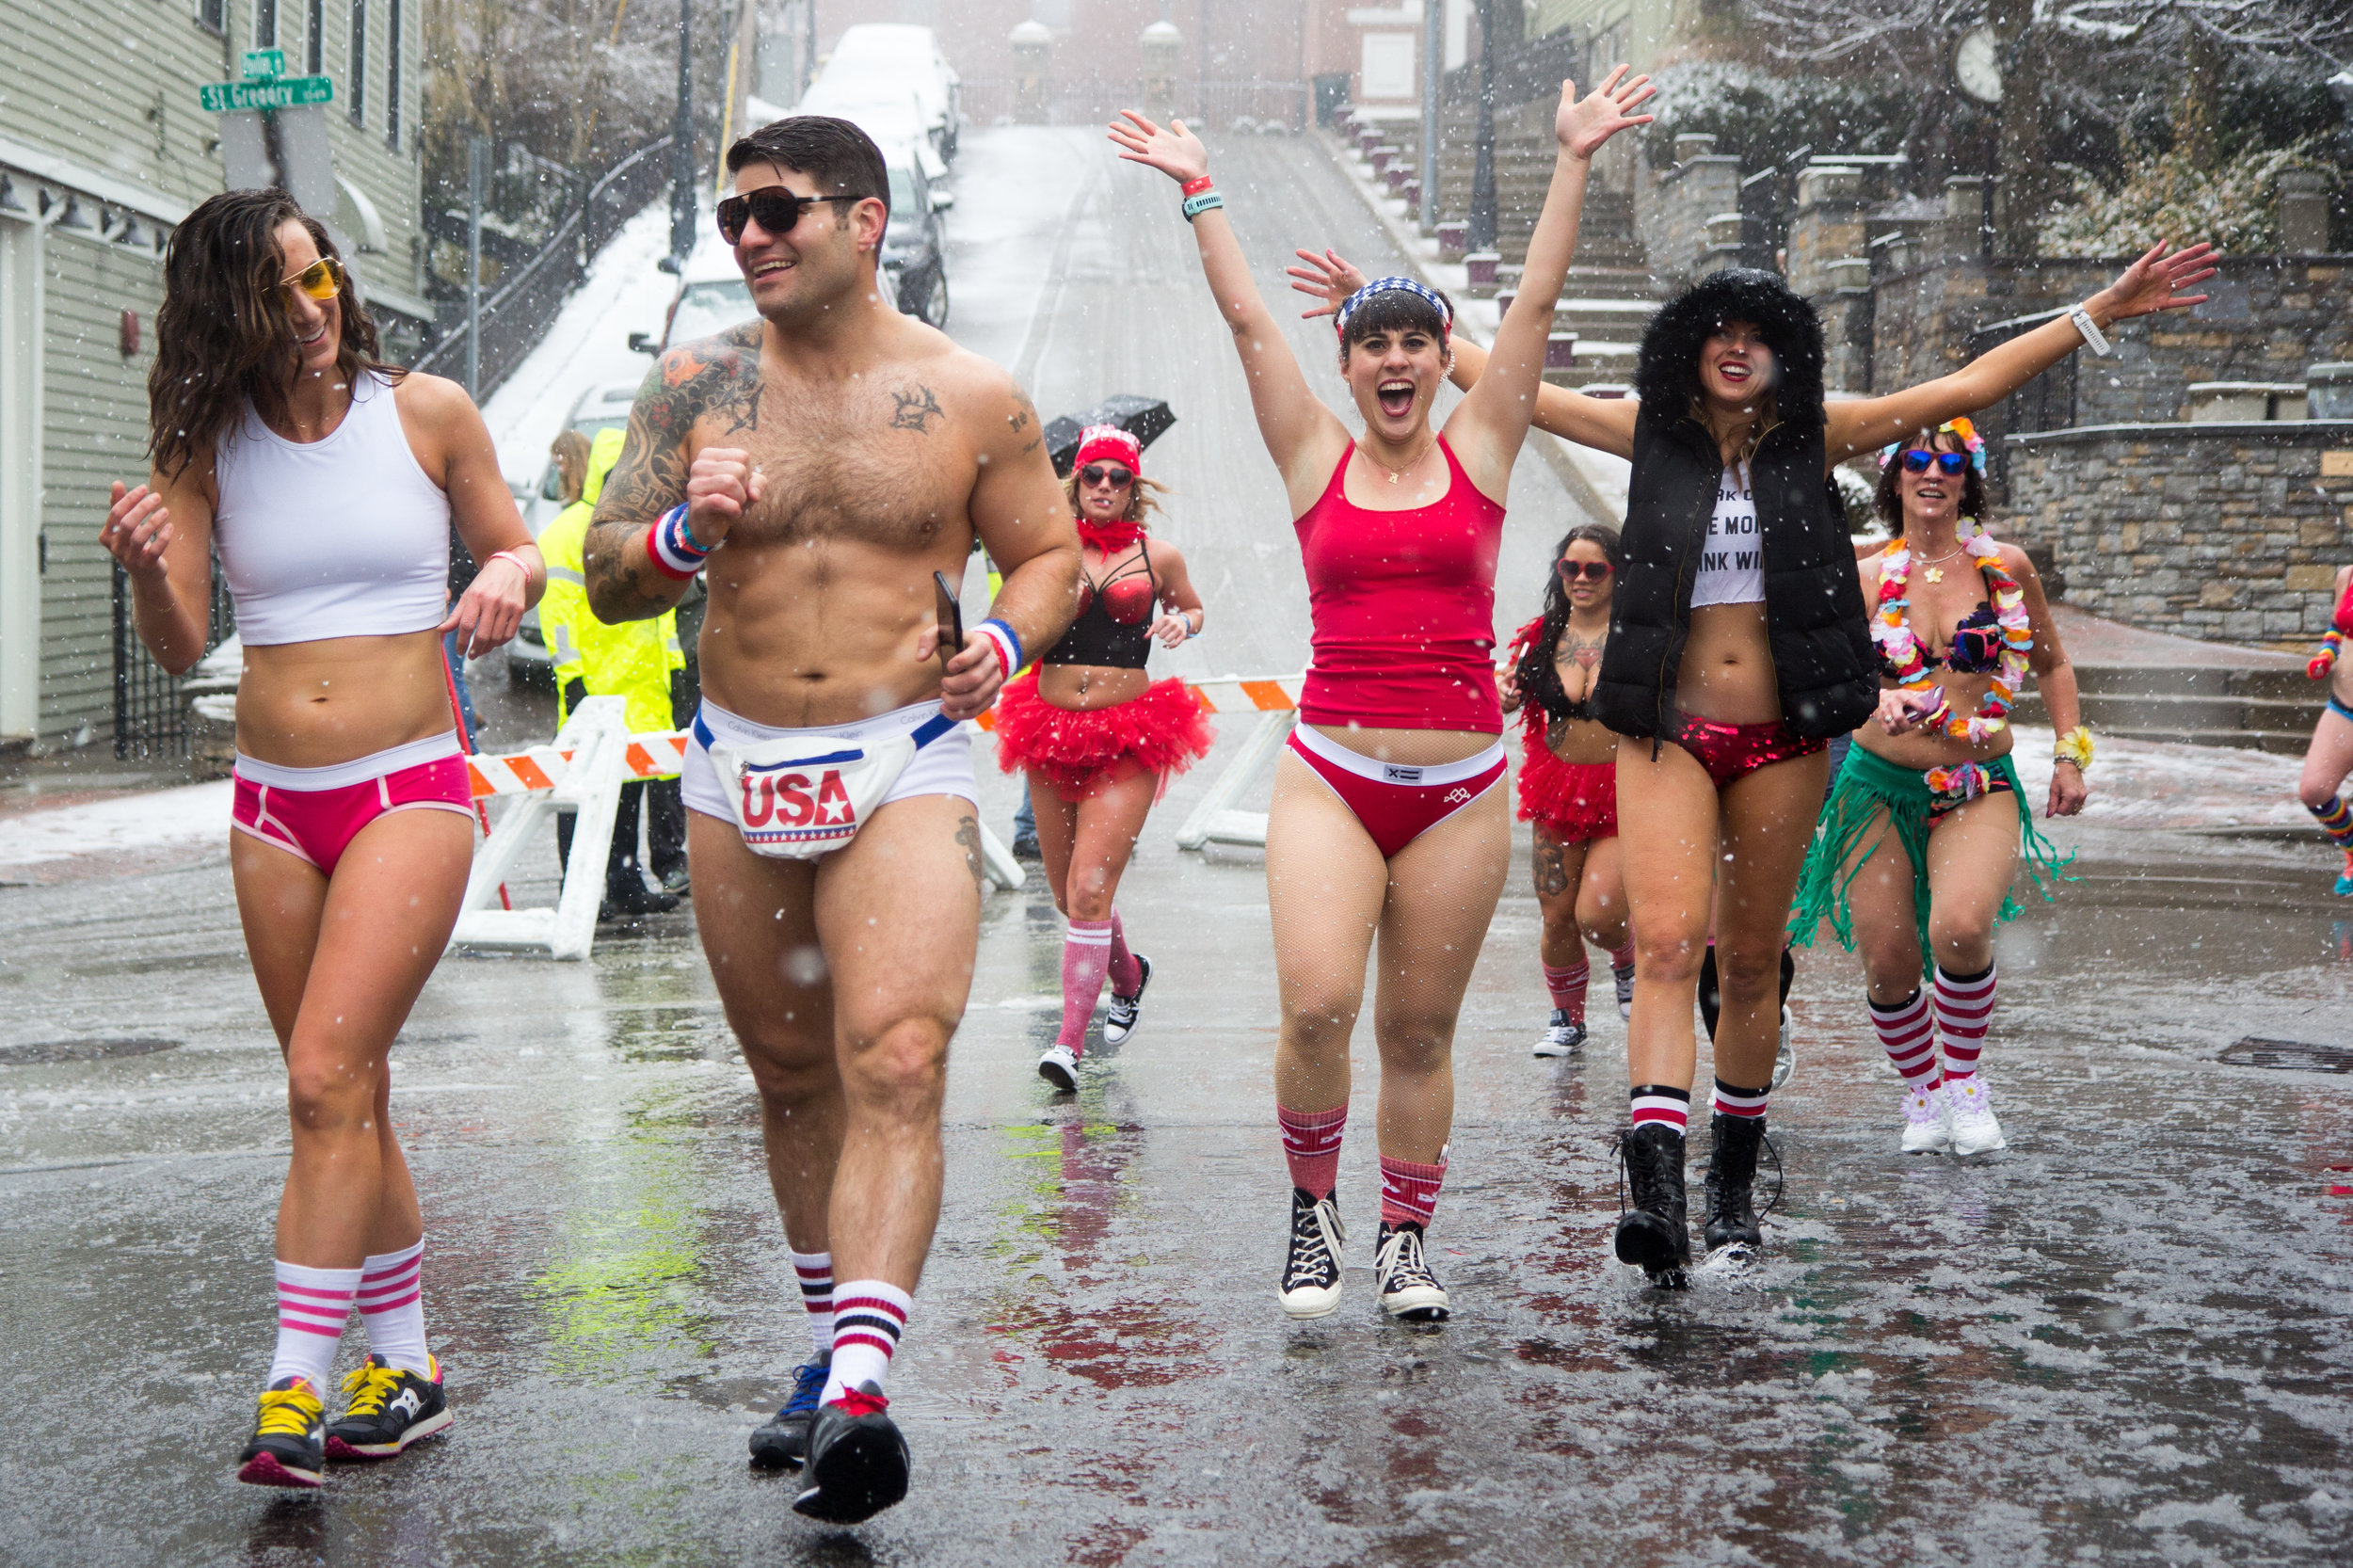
<point>2292,1054</point>
<point>46,1051</point>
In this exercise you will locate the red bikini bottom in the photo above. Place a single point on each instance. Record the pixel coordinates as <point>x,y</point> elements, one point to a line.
<point>1731,752</point>
<point>1396,804</point>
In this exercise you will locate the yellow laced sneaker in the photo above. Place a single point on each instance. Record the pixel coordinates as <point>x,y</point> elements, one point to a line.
<point>390,1408</point>
<point>289,1445</point>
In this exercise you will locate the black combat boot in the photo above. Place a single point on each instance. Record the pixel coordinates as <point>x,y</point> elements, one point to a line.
<point>1731,1220</point>
<point>1655,1232</point>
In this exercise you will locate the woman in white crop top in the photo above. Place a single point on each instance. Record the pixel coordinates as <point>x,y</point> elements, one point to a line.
<point>328,484</point>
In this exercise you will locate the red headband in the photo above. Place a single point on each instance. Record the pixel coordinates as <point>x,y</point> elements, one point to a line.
<point>1108,440</point>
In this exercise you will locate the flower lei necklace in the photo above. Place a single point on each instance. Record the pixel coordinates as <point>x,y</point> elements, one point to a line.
<point>1903,650</point>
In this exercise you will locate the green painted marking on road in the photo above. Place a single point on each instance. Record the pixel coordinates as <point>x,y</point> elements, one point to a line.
<point>284,93</point>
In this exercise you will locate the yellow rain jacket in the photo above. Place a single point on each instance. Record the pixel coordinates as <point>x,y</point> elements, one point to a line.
<point>632,660</point>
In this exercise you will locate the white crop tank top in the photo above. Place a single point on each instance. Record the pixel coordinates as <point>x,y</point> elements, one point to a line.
<point>1731,563</point>
<point>339,538</point>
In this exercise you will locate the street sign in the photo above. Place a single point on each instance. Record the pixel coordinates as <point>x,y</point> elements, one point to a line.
<point>262,65</point>
<point>285,92</point>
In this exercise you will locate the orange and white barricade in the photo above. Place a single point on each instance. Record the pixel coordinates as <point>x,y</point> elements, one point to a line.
<point>1217,819</point>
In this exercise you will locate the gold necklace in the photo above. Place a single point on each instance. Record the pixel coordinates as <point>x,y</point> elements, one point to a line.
<point>1397,473</point>
<point>1930,569</point>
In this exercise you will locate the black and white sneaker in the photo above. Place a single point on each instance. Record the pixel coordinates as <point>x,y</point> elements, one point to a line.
<point>858,1462</point>
<point>1058,1067</point>
<point>1622,978</point>
<point>1784,1055</point>
<point>1409,1291</point>
<point>781,1441</point>
<point>1311,1275</point>
<point>1126,1012</point>
<point>1562,1037</point>
<point>289,1445</point>
<point>390,1409</point>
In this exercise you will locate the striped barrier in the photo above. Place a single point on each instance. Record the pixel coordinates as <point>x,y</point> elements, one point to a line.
<point>655,754</point>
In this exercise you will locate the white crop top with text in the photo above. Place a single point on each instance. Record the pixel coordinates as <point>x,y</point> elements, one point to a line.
<point>1732,561</point>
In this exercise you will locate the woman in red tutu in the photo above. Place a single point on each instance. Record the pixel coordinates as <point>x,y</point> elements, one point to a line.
<point>1569,783</point>
<point>1098,738</point>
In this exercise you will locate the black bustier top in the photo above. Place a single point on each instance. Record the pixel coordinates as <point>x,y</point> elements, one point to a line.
<point>1114,624</point>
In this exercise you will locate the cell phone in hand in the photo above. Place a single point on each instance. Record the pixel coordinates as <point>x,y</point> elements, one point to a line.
<point>951,621</point>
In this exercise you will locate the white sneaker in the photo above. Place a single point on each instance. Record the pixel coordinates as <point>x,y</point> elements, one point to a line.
<point>1928,1120</point>
<point>1561,1037</point>
<point>1311,1273</point>
<point>1126,1012</point>
<point>1624,981</point>
<point>1401,1271</point>
<point>1059,1068</point>
<point>1784,1055</point>
<point>1974,1131</point>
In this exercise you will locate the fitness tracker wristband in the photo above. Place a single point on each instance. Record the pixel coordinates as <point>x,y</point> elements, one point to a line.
<point>673,547</point>
<point>2093,338</point>
<point>1208,200</point>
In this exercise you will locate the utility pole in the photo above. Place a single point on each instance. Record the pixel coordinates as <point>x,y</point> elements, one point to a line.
<point>683,209</point>
<point>477,164</point>
<point>1432,84</point>
<point>1483,202</point>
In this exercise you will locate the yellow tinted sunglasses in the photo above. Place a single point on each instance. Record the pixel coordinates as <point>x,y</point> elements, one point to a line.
<point>323,279</point>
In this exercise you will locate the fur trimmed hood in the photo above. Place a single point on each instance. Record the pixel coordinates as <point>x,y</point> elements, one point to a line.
<point>1665,374</point>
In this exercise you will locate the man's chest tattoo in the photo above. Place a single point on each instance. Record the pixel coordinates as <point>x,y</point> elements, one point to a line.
<point>916,410</point>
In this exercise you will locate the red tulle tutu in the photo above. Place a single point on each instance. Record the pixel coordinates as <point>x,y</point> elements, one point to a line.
<point>1082,749</point>
<point>1576,800</point>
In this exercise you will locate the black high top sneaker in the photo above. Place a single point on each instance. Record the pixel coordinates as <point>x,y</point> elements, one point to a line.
<point>1731,1228</point>
<point>1655,1232</point>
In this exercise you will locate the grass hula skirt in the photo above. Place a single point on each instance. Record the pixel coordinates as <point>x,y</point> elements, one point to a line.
<point>1868,785</point>
<point>1082,749</point>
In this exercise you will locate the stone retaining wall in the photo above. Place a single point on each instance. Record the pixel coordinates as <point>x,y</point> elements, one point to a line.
<point>2227,533</point>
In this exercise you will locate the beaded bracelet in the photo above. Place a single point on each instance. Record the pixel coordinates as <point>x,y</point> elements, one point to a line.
<point>675,551</point>
<point>2073,747</point>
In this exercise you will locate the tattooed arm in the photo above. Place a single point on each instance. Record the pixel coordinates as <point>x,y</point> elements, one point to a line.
<point>718,379</point>
<point>1022,517</point>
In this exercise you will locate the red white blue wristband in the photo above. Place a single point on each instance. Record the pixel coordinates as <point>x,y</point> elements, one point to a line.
<point>1008,644</point>
<point>673,548</point>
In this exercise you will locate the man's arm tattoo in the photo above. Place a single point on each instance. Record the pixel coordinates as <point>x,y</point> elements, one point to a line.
<point>968,835</point>
<point>1025,418</point>
<point>916,410</point>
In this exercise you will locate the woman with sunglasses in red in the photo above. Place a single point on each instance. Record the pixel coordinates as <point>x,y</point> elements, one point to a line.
<point>1099,740</point>
<point>1921,837</point>
<point>1568,781</point>
<point>328,483</point>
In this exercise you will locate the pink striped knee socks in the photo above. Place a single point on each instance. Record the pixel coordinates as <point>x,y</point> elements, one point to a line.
<point>1965,1006</point>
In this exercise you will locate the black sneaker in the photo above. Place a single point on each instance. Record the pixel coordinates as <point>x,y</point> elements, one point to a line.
<point>782,1443</point>
<point>1622,979</point>
<point>1654,1233</point>
<point>857,1462</point>
<point>390,1409</point>
<point>1025,847</point>
<point>1311,1275</point>
<point>289,1446</point>
<point>1562,1035</point>
<point>1400,1271</point>
<point>1121,1020</point>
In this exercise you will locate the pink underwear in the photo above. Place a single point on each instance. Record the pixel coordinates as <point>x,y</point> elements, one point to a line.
<point>315,812</point>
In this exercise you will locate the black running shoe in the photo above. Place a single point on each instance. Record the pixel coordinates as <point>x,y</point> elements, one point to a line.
<point>857,1462</point>
<point>1400,1271</point>
<point>783,1442</point>
<point>1655,1232</point>
<point>289,1446</point>
<point>1311,1275</point>
<point>1121,1020</point>
<point>390,1409</point>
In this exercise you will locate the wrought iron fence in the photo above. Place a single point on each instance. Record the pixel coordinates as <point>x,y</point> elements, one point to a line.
<point>151,712</point>
<point>518,314</point>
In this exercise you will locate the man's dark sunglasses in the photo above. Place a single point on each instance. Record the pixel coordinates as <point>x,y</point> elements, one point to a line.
<point>1916,461</point>
<point>1100,473</point>
<point>777,209</point>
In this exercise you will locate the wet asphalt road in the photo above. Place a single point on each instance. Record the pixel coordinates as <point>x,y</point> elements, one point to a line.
<point>2124,1340</point>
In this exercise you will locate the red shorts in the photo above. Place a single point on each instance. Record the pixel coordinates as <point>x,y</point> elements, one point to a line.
<point>1079,751</point>
<point>1578,801</point>
<point>315,812</point>
<point>1396,804</point>
<point>1731,752</point>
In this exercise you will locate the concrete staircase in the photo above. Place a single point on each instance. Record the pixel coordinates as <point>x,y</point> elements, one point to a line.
<point>2149,686</point>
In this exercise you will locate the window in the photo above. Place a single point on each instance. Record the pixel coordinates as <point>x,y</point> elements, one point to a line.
<point>314,38</point>
<point>265,24</point>
<point>213,15</point>
<point>356,63</point>
<point>391,78</point>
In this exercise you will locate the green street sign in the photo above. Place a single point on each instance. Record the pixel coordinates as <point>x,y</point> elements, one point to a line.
<point>261,65</point>
<point>286,92</point>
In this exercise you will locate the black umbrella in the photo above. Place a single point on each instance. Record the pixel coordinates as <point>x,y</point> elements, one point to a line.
<point>1143,418</point>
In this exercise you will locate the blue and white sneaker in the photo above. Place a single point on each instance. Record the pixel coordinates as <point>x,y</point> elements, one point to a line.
<point>1562,1035</point>
<point>782,1443</point>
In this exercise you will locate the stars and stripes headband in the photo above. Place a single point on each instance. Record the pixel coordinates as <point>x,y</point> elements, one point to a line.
<point>1407,286</point>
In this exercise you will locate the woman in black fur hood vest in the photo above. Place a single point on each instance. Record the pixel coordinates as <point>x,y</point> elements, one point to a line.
<point>1738,646</point>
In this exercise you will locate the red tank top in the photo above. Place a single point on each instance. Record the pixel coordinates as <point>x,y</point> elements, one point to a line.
<point>1403,605</point>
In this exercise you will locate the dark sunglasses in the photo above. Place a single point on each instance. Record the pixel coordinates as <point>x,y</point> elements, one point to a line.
<point>777,209</point>
<point>1598,571</point>
<point>1948,463</point>
<point>1103,473</point>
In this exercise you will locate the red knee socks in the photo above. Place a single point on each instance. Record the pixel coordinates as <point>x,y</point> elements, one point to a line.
<point>1909,1037</point>
<point>1311,1146</point>
<point>1409,1192</point>
<point>1965,1006</point>
<point>1567,985</point>
<point>1086,955</point>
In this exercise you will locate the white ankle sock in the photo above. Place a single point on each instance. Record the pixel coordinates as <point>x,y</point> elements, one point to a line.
<point>867,1317</point>
<point>311,1306</point>
<point>391,1308</point>
<point>815,1272</point>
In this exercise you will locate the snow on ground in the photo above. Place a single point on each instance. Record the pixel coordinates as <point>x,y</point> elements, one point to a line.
<point>588,345</point>
<point>151,820</point>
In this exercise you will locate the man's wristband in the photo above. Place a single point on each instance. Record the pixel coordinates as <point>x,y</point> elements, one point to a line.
<point>673,548</point>
<point>2093,338</point>
<point>1007,641</point>
<point>1195,205</point>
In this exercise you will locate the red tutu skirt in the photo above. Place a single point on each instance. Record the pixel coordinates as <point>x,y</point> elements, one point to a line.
<point>1083,749</point>
<point>1576,800</point>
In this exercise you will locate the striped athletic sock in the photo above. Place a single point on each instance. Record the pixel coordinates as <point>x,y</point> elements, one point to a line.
<point>1127,975</point>
<point>1311,1146</point>
<point>1409,1192</point>
<point>1909,1036</point>
<point>869,1316</point>
<point>1747,1104</point>
<point>815,1272</point>
<point>1086,953</point>
<point>391,1308</point>
<point>311,1306</point>
<point>1566,986</point>
<point>2336,820</point>
<point>1663,1103</point>
<point>1965,1006</point>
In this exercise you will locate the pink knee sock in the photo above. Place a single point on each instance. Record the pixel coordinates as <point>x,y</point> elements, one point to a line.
<point>1909,1036</point>
<point>1125,973</point>
<point>1623,957</point>
<point>1965,1005</point>
<point>1311,1146</point>
<point>1567,985</point>
<point>1086,953</point>
<point>1409,1192</point>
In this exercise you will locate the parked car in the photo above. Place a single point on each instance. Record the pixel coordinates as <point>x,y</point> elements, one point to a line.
<point>890,111</point>
<point>881,53</point>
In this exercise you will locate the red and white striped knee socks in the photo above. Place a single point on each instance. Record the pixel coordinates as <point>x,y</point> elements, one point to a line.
<point>869,1317</point>
<point>1907,1035</point>
<point>814,1271</point>
<point>391,1308</point>
<point>1965,1006</point>
<point>311,1306</point>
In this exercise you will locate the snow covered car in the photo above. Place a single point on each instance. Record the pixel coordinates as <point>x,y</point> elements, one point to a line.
<point>875,55</point>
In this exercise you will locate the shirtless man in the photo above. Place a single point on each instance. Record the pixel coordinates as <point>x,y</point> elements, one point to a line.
<point>828,459</point>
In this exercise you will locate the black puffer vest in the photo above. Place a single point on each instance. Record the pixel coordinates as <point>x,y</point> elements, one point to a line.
<point>1823,662</point>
